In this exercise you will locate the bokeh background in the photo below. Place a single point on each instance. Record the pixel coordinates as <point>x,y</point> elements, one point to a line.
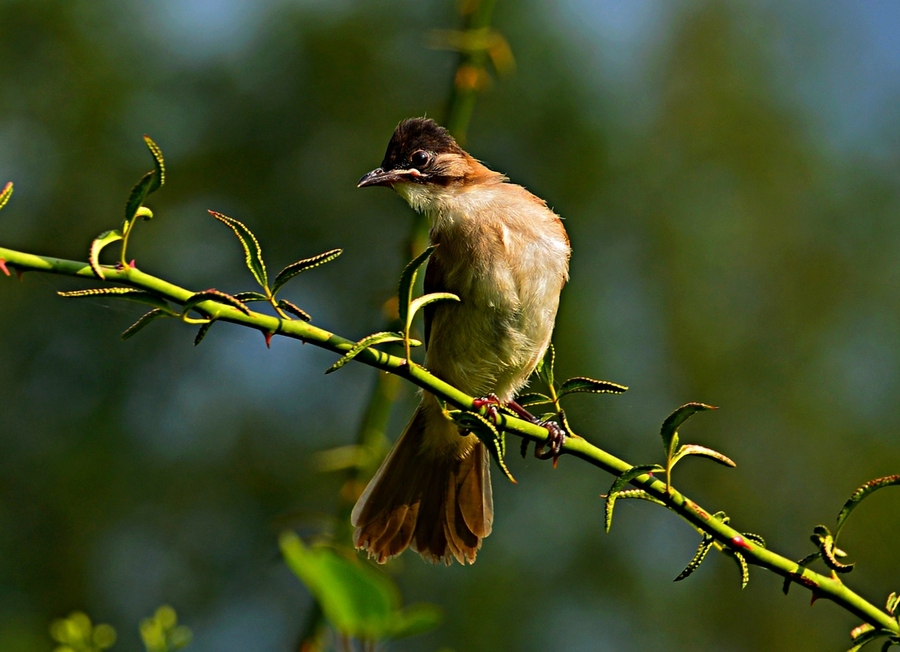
<point>728,172</point>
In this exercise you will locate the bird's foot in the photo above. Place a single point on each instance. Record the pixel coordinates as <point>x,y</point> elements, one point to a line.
<point>493,404</point>
<point>551,448</point>
<point>555,440</point>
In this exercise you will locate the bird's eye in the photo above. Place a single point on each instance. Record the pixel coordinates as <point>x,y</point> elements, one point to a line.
<point>420,158</point>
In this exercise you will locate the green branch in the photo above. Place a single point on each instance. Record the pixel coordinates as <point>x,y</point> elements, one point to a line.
<point>728,538</point>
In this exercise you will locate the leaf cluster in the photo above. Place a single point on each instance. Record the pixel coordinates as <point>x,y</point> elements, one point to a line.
<point>253,258</point>
<point>830,554</point>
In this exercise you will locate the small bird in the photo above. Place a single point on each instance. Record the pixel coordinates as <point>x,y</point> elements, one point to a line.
<point>505,254</point>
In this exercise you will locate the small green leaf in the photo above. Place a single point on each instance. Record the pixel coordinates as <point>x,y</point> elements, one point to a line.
<point>703,451</point>
<point>136,198</point>
<point>145,213</point>
<point>132,294</point>
<point>295,310</point>
<point>755,538</point>
<point>159,165</point>
<point>705,546</point>
<point>487,432</point>
<point>859,630</point>
<point>252,251</point>
<point>213,295</point>
<point>365,343</point>
<point>102,240</point>
<point>867,633</point>
<point>407,281</point>
<point>822,537</point>
<point>639,494</point>
<point>153,315</point>
<point>293,269</point>
<point>424,300</point>
<point>204,329</point>
<point>892,602</point>
<point>668,432</point>
<point>533,398</point>
<point>581,384</point>
<point>6,193</point>
<point>248,297</point>
<point>830,553</point>
<point>545,366</point>
<point>674,443</point>
<point>621,482</point>
<point>743,566</point>
<point>564,422</point>
<point>859,495</point>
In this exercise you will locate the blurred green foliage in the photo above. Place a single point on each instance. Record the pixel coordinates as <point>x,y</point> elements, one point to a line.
<point>733,208</point>
<point>357,600</point>
<point>162,633</point>
<point>78,634</point>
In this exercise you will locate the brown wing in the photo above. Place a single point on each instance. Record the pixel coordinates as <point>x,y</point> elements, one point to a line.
<point>434,282</point>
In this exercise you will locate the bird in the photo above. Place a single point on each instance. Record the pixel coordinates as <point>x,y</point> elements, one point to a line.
<point>505,254</point>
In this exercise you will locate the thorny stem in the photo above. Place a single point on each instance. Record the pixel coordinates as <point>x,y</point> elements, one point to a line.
<point>821,586</point>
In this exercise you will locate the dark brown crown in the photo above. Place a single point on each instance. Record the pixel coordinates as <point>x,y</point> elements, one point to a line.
<point>416,134</point>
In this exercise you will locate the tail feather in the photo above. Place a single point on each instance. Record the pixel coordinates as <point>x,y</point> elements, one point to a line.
<point>435,499</point>
<point>475,491</point>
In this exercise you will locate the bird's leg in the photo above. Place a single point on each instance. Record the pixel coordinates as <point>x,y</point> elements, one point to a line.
<point>556,435</point>
<point>492,402</point>
<point>556,438</point>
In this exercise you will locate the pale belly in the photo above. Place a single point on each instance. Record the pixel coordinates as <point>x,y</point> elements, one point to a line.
<point>492,340</point>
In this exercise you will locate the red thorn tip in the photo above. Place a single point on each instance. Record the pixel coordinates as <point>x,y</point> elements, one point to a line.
<point>131,264</point>
<point>19,273</point>
<point>3,266</point>
<point>268,337</point>
<point>813,599</point>
<point>740,542</point>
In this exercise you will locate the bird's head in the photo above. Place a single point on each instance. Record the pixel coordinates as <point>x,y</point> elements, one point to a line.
<point>425,165</point>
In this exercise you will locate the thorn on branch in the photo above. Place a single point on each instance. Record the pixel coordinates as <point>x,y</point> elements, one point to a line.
<point>740,542</point>
<point>3,267</point>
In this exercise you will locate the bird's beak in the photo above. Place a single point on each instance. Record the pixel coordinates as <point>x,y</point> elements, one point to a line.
<point>380,177</point>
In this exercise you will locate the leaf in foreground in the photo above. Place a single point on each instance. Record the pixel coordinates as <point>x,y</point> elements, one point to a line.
<point>356,599</point>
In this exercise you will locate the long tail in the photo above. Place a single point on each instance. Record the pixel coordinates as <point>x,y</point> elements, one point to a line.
<point>432,492</point>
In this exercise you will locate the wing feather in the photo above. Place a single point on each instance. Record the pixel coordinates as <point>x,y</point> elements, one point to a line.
<point>434,282</point>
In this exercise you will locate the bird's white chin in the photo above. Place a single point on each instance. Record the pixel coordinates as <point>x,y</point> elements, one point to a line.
<point>421,196</point>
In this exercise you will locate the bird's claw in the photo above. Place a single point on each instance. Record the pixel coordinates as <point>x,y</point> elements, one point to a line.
<point>551,448</point>
<point>555,440</point>
<point>492,404</point>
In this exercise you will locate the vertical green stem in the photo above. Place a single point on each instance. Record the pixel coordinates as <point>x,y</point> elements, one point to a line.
<point>469,72</point>
<point>125,233</point>
<point>371,437</point>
